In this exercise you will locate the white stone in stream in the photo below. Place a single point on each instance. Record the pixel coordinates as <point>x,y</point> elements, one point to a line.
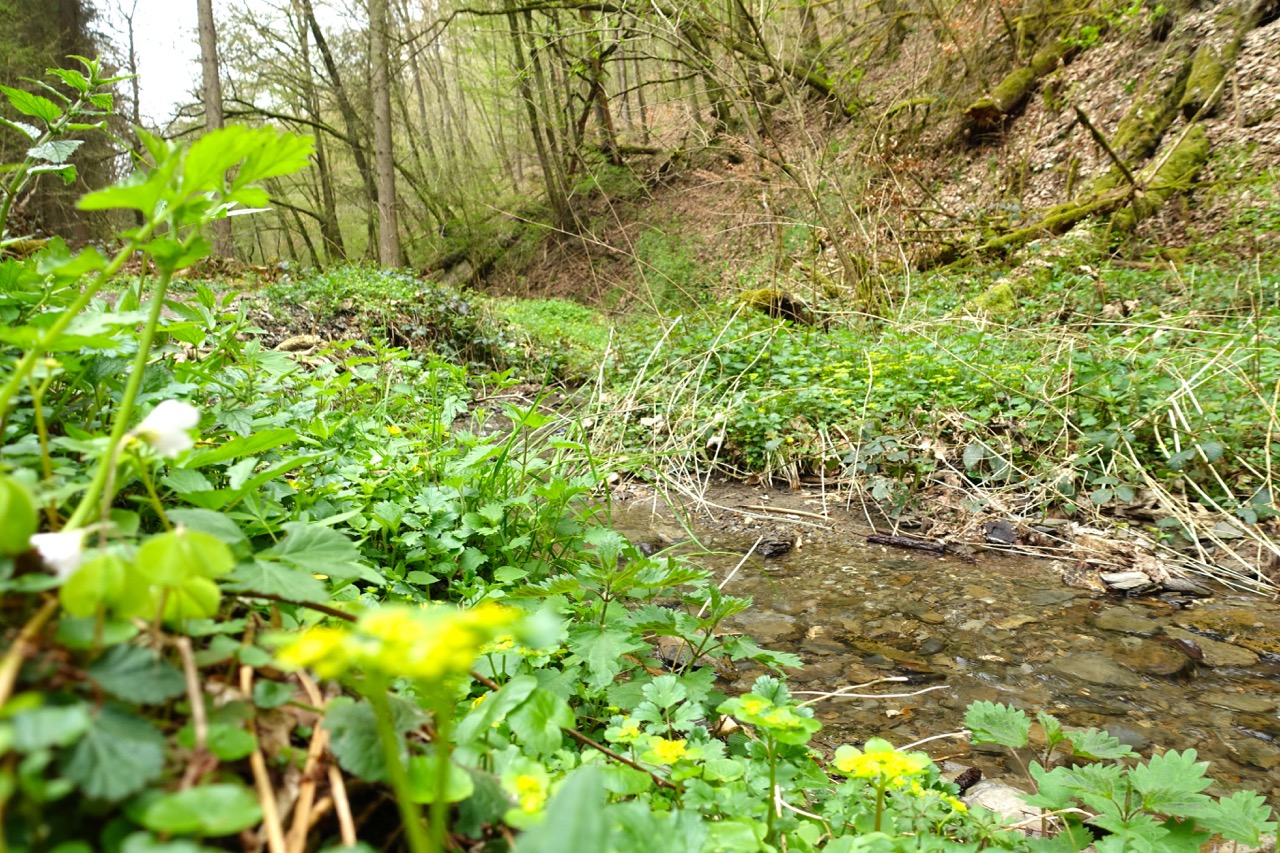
<point>1006,801</point>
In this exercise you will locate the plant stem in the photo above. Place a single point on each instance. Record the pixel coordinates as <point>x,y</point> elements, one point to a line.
<point>118,429</point>
<point>60,325</point>
<point>439,805</point>
<point>879,804</point>
<point>414,832</point>
<point>773,785</point>
<point>13,658</point>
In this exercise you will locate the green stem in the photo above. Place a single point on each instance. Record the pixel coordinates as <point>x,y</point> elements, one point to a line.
<point>118,429</point>
<point>414,832</point>
<point>59,326</point>
<point>439,804</point>
<point>144,471</point>
<point>879,803</point>
<point>773,785</point>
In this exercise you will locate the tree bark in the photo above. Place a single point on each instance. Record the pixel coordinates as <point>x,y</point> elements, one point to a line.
<point>383,155</point>
<point>222,244</point>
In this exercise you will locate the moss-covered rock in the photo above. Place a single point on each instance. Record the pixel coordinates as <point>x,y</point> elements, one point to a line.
<point>1190,153</point>
<point>998,301</point>
<point>1207,73</point>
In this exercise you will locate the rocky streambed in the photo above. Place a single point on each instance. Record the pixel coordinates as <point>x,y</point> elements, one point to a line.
<point>1171,672</point>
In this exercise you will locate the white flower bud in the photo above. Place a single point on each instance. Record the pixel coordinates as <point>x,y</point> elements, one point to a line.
<point>61,552</point>
<point>167,427</point>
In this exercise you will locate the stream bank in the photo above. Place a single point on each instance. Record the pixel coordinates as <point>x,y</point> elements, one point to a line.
<point>1165,672</point>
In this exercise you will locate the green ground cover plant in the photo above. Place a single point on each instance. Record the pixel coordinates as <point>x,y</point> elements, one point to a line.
<point>222,564</point>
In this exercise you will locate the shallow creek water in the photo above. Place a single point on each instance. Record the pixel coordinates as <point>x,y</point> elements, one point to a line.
<point>1158,674</point>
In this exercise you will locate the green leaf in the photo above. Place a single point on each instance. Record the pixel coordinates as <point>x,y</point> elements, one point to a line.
<point>237,448</point>
<point>608,544</point>
<point>35,106</point>
<point>576,820</point>
<point>602,650</point>
<point>1242,817</point>
<point>170,559</point>
<point>1170,784</point>
<point>119,755</point>
<point>145,842</point>
<point>273,578</point>
<point>319,549</point>
<point>225,741</point>
<point>55,150</point>
<point>218,809</point>
<point>974,453</point>
<point>206,521</point>
<point>49,725</point>
<point>538,721</point>
<point>423,781</point>
<point>1052,729</point>
<point>1097,745</point>
<point>495,708</point>
<point>98,583</point>
<point>71,78</point>
<point>135,674</point>
<point>354,735</point>
<point>17,517</point>
<point>271,694</point>
<point>1002,724</point>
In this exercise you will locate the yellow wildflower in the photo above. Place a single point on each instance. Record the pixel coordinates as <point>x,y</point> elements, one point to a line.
<point>752,704</point>
<point>669,751</point>
<point>321,649</point>
<point>879,761</point>
<point>393,429</point>
<point>530,793</point>
<point>628,731</point>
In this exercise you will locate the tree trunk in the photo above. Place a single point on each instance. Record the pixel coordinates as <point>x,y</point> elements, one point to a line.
<point>222,246</point>
<point>383,155</point>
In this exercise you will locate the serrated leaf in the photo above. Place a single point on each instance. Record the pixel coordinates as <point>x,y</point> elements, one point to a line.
<point>608,544</point>
<point>273,578</point>
<point>218,809</point>
<point>135,674</point>
<point>1052,729</point>
<point>119,755</point>
<point>576,821</point>
<point>538,721</point>
<point>204,520</point>
<point>1097,745</point>
<point>1242,817</point>
<point>1212,450</point>
<point>602,650</point>
<point>50,725</point>
<point>55,150</point>
<point>319,549</point>
<point>36,106</point>
<point>271,694</point>
<point>665,691</point>
<point>1170,784</point>
<point>1002,724</point>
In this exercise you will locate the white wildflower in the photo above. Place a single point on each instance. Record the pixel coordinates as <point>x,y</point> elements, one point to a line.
<point>167,428</point>
<point>61,552</point>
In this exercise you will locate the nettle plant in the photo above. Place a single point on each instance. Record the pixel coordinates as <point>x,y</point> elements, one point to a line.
<point>1154,806</point>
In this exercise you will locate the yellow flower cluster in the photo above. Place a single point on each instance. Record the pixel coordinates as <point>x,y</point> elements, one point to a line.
<point>430,643</point>
<point>668,751</point>
<point>879,760</point>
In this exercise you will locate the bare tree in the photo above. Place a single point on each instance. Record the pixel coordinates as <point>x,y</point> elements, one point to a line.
<point>222,244</point>
<point>383,154</point>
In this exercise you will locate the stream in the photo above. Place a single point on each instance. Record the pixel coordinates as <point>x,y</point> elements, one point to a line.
<point>1157,673</point>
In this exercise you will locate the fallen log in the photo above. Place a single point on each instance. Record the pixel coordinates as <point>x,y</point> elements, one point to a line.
<point>990,111</point>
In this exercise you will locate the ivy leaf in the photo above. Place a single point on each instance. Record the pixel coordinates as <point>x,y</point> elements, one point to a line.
<point>219,809</point>
<point>992,723</point>
<point>135,674</point>
<point>1170,784</point>
<point>273,578</point>
<point>119,755</point>
<point>1097,745</point>
<point>49,725</point>
<point>576,820</point>
<point>539,720</point>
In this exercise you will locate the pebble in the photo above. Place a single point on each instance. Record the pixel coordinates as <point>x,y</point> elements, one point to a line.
<point>1125,621</point>
<point>1158,659</point>
<point>1096,669</point>
<point>1239,702</point>
<point>1131,738</point>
